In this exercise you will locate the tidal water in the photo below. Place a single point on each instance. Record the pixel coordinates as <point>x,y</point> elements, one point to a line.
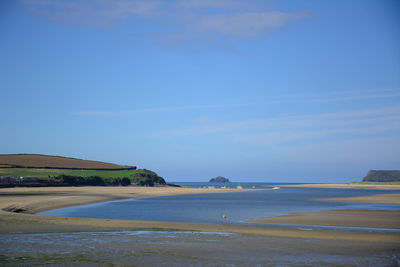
<point>237,206</point>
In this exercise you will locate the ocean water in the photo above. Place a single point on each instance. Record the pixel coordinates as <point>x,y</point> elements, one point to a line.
<point>230,185</point>
<point>237,206</point>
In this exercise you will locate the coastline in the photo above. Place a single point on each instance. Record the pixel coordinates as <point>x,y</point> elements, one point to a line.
<point>32,200</point>
<point>349,186</point>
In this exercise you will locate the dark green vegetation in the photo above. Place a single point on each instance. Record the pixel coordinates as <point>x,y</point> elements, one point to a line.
<point>56,177</point>
<point>59,171</point>
<point>219,179</point>
<point>382,176</point>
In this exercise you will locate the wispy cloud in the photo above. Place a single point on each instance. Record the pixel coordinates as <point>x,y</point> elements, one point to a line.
<point>299,125</point>
<point>304,98</point>
<point>87,13</point>
<point>248,24</point>
<point>179,21</point>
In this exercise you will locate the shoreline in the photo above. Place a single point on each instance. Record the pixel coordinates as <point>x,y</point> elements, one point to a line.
<point>349,186</point>
<point>31,201</point>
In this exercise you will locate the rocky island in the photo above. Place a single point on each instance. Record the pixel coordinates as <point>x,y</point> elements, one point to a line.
<point>219,179</point>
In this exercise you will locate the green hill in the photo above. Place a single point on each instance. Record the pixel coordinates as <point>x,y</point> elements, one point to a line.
<point>57,171</point>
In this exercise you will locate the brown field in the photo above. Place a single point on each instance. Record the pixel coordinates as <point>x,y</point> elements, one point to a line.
<point>36,160</point>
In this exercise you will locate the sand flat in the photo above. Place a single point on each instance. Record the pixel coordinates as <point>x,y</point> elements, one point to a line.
<point>387,219</point>
<point>381,198</point>
<point>350,186</point>
<point>31,200</point>
<point>29,223</point>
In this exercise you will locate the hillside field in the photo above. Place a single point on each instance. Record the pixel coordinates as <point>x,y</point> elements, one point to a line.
<point>56,170</point>
<point>45,173</point>
<point>41,161</point>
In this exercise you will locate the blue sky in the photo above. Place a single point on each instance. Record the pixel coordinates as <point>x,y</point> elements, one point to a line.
<point>272,91</point>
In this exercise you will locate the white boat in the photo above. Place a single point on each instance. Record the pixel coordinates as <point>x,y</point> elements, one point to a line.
<point>276,188</point>
<point>239,187</point>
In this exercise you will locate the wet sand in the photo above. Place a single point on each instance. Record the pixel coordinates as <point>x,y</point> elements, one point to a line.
<point>253,245</point>
<point>176,248</point>
<point>31,200</point>
<point>387,219</point>
<point>382,199</point>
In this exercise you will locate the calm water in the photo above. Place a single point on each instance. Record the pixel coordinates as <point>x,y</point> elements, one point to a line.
<point>209,208</point>
<point>229,185</point>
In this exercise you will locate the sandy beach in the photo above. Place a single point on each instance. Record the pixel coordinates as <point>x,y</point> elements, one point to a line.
<point>252,244</point>
<point>389,219</point>
<point>27,201</point>
<point>382,199</point>
<point>33,200</point>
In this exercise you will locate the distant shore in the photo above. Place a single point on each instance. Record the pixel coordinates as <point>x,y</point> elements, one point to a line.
<point>351,186</point>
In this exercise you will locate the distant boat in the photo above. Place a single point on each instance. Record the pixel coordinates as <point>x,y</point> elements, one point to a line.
<point>276,188</point>
<point>239,187</point>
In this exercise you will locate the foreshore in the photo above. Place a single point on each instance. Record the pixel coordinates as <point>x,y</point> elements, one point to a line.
<point>27,201</point>
<point>36,199</point>
<point>106,242</point>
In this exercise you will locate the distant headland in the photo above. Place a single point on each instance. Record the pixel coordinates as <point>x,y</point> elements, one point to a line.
<point>219,179</point>
<point>382,176</point>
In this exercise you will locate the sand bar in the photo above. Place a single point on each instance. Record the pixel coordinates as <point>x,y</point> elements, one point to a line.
<point>31,200</point>
<point>389,219</point>
<point>381,198</point>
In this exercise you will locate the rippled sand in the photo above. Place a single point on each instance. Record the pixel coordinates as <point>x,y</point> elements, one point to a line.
<point>176,248</point>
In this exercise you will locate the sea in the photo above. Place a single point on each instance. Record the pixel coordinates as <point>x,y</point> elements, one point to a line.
<point>238,207</point>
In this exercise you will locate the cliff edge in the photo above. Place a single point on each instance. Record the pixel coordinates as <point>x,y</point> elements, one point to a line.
<point>382,176</point>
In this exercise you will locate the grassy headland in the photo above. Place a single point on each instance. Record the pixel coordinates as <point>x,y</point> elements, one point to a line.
<point>58,171</point>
